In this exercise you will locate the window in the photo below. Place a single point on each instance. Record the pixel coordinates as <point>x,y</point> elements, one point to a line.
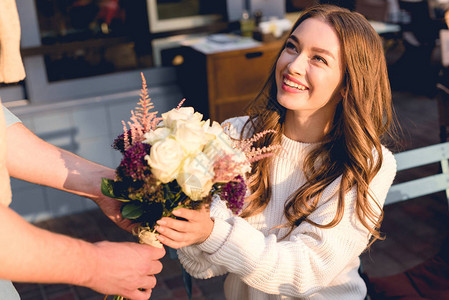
<point>83,38</point>
<point>166,15</point>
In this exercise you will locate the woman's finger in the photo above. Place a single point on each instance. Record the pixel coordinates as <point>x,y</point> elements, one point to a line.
<point>191,214</point>
<point>170,243</point>
<point>174,224</point>
<point>184,213</point>
<point>172,234</point>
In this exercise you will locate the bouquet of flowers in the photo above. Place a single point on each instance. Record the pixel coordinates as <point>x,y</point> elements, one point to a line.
<point>177,160</point>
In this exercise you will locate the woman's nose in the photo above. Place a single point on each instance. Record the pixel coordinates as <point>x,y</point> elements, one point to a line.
<point>298,65</point>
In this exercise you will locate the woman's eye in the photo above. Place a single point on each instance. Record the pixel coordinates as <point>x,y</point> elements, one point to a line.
<point>320,59</point>
<point>290,45</point>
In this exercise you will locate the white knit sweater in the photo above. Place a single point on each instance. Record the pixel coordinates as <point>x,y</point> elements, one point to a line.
<point>311,263</point>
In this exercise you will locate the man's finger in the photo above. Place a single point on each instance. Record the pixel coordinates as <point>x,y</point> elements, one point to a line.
<point>141,294</point>
<point>155,267</point>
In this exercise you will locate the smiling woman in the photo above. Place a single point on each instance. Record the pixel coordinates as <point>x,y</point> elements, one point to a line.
<point>316,205</point>
<point>309,80</point>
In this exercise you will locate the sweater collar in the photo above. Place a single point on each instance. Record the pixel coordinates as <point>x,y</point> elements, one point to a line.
<point>294,148</point>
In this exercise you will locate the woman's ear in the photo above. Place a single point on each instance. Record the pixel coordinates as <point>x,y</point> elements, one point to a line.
<point>343,92</point>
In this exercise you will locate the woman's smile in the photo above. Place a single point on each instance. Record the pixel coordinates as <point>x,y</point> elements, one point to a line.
<point>291,85</point>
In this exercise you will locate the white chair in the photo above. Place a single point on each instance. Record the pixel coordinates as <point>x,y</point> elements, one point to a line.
<point>424,185</point>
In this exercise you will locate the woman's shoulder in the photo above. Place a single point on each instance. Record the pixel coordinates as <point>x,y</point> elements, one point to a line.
<point>388,167</point>
<point>236,122</point>
<point>388,157</point>
<point>234,126</point>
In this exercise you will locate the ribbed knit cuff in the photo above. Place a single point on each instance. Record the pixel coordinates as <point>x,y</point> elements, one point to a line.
<point>219,234</point>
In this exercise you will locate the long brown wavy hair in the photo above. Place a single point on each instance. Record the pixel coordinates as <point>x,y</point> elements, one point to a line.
<point>362,117</point>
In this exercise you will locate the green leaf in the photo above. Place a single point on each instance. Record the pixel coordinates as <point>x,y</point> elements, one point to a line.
<point>107,189</point>
<point>131,211</point>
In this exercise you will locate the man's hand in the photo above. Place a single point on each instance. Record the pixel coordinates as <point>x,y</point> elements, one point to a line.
<point>125,269</point>
<point>111,208</point>
<point>41,256</point>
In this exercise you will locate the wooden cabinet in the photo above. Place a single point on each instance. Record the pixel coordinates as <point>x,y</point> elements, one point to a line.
<point>220,85</point>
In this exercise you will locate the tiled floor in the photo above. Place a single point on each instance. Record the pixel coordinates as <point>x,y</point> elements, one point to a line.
<point>413,229</point>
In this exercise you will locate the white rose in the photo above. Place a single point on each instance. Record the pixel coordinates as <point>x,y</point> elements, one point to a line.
<point>183,113</point>
<point>156,135</point>
<point>165,159</point>
<point>220,144</point>
<point>197,116</point>
<point>196,177</point>
<point>218,147</point>
<point>214,129</point>
<point>214,150</point>
<point>191,136</point>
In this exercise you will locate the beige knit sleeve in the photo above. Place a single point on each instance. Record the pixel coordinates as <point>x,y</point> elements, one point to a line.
<point>5,188</point>
<point>11,67</point>
<point>11,70</point>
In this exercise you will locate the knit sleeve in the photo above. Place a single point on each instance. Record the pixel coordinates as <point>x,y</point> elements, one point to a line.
<point>234,127</point>
<point>307,260</point>
<point>10,118</point>
<point>193,258</point>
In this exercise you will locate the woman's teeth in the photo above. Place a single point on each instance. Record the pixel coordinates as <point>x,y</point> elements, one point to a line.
<point>293,84</point>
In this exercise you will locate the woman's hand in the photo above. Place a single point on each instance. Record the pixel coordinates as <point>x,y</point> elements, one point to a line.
<point>179,233</point>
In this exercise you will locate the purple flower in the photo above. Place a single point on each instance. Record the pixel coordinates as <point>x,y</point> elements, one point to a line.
<point>133,163</point>
<point>119,143</point>
<point>234,192</point>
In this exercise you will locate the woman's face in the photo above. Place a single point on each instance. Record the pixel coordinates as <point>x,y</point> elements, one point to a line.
<point>309,71</point>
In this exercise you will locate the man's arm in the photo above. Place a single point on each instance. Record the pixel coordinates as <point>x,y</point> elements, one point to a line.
<point>31,254</point>
<point>34,160</point>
